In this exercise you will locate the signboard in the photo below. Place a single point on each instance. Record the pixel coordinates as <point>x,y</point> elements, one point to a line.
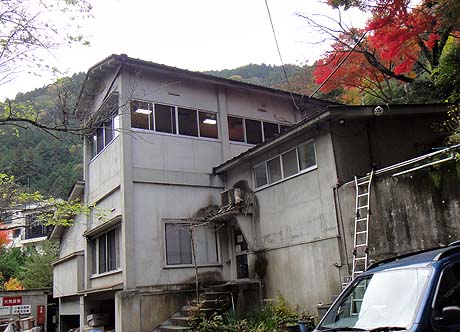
<point>5,311</point>
<point>8,301</point>
<point>41,314</point>
<point>21,309</point>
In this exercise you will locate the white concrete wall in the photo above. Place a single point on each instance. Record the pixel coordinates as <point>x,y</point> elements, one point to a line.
<point>72,239</point>
<point>153,203</point>
<point>66,278</point>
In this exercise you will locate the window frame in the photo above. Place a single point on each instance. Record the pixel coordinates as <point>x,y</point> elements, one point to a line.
<point>280,158</point>
<point>245,138</point>
<point>175,130</point>
<point>115,125</point>
<point>173,266</point>
<point>95,252</point>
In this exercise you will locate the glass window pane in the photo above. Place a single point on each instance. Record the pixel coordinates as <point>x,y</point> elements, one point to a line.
<point>235,129</point>
<point>165,119</point>
<point>141,115</point>
<point>185,245</point>
<point>205,239</point>
<point>102,253</point>
<point>274,170</point>
<point>100,139</point>
<point>108,132</point>
<point>187,122</point>
<point>307,157</point>
<point>208,124</point>
<point>260,175</point>
<point>270,130</point>
<point>290,163</point>
<point>253,131</point>
<point>94,256</point>
<point>112,254</point>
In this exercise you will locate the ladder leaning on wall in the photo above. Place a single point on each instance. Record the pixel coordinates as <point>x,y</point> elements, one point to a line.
<point>362,215</point>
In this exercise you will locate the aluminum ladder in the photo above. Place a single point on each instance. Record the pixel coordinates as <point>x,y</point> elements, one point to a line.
<point>362,214</point>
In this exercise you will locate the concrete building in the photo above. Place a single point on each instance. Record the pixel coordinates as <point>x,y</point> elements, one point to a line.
<point>154,135</point>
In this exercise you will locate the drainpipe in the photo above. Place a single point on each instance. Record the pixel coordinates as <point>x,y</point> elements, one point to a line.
<point>340,229</point>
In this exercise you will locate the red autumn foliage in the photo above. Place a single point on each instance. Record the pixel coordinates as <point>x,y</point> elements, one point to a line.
<point>399,36</point>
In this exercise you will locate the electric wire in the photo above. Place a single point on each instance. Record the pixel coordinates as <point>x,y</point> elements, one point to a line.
<point>280,56</point>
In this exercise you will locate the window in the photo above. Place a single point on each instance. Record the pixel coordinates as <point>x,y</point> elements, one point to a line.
<point>307,156</point>
<point>141,115</point>
<point>260,173</point>
<point>179,244</point>
<point>300,159</point>
<point>253,131</point>
<point>274,170</point>
<point>104,134</point>
<point>208,125</point>
<point>105,250</point>
<point>187,122</point>
<point>162,118</point>
<point>35,228</point>
<point>235,129</point>
<point>289,163</point>
<point>270,130</point>
<point>165,119</point>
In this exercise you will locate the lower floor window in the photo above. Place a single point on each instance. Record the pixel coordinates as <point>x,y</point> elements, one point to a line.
<point>180,237</point>
<point>106,252</point>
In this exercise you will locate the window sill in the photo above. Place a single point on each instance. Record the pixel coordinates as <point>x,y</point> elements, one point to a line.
<point>307,170</point>
<point>190,266</point>
<point>100,275</point>
<point>159,133</point>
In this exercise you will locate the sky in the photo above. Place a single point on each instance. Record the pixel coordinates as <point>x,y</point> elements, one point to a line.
<point>195,35</point>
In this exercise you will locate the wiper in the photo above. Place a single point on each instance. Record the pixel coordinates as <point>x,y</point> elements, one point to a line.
<point>387,328</point>
<point>344,328</point>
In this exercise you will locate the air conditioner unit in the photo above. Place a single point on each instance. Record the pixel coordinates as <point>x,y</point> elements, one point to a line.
<point>231,197</point>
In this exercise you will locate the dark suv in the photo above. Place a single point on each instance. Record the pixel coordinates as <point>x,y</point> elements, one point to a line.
<point>418,292</point>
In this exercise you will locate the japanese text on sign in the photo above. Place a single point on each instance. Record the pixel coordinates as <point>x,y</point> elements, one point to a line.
<point>21,309</point>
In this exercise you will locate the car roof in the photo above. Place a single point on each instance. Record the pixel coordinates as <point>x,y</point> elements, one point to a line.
<point>416,259</point>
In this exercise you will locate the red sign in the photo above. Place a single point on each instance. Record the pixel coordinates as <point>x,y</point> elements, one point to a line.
<point>9,301</point>
<point>41,314</point>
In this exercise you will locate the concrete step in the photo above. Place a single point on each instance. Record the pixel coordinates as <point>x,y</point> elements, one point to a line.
<point>172,328</point>
<point>179,321</point>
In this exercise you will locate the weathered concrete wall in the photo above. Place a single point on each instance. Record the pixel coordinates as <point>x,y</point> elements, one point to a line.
<point>415,211</point>
<point>367,142</point>
<point>72,239</point>
<point>296,228</point>
<point>68,277</point>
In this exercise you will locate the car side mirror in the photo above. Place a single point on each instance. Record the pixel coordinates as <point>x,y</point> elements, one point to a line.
<point>451,315</point>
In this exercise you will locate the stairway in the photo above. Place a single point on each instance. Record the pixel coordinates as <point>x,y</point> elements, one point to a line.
<point>209,302</point>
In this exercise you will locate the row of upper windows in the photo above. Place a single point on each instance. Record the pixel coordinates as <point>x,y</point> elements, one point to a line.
<point>190,122</point>
<point>184,121</point>
<point>299,159</point>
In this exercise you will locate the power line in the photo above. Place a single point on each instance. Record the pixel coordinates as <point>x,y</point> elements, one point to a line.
<point>281,58</point>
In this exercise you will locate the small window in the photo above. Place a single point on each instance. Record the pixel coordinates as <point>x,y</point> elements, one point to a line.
<point>307,156</point>
<point>178,244</point>
<point>270,130</point>
<point>253,131</point>
<point>274,170</point>
<point>235,129</point>
<point>141,115</point>
<point>208,125</point>
<point>108,132</point>
<point>187,122</point>
<point>17,233</point>
<point>290,163</point>
<point>260,174</point>
<point>165,119</point>
<point>100,138</point>
<point>105,251</point>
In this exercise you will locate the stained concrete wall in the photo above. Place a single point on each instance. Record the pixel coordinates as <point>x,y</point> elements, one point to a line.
<point>382,141</point>
<point>68,277</point>
<point>296,227</point>
<point>411,212</point>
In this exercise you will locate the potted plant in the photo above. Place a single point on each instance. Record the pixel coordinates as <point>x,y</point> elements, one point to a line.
<point>306,322</point>
<point>292,326</point>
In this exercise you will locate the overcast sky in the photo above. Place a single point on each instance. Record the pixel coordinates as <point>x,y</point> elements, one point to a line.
<point>195,35</point>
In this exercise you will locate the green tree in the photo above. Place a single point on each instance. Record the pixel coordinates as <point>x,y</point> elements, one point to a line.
<point>38,271</point>
<point>11,262</point>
